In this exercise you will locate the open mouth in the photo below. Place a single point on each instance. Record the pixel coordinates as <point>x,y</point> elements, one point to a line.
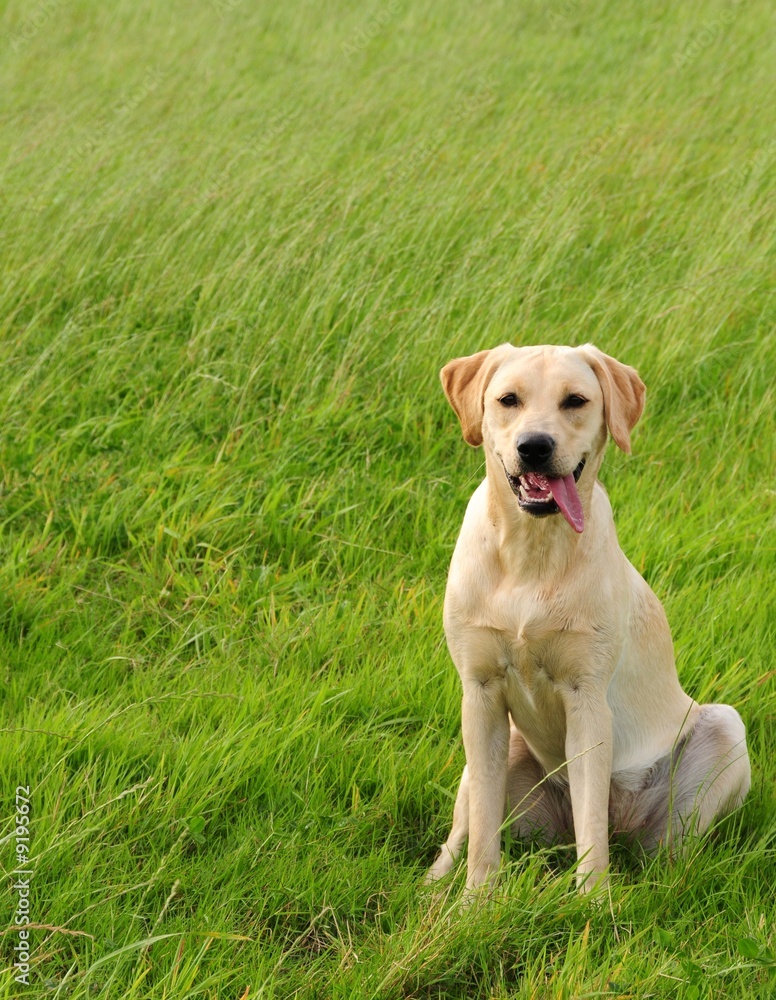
<point>540,495</point>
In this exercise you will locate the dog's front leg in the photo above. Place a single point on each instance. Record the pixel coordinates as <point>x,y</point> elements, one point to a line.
<point>589,765</point>
<point>485,723</point>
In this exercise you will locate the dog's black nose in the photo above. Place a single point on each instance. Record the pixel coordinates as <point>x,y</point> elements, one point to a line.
<point>535,449</point>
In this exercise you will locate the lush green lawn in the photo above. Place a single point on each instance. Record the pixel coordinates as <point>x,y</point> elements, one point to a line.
<point>237,246</point>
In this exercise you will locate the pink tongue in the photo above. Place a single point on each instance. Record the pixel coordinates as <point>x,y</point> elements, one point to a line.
<point>564,493</point>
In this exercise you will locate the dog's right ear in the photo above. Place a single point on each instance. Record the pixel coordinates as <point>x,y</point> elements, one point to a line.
<point>465,381</point>
<point>623,392</point>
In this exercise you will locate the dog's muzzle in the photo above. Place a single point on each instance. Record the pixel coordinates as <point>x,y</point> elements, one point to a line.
<point>539,495</point>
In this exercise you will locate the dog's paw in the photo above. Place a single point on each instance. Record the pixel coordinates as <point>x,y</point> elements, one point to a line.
<point>594,886</point>
<point>444,864</point>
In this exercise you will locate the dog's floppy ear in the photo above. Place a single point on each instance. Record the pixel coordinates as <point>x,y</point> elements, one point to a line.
<point>465,381</point>
<point>623,391</point>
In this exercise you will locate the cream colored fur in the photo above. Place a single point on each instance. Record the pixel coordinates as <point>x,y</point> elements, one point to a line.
<point>574,721</point>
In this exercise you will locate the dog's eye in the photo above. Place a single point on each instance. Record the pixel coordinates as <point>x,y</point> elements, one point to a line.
<point>510,399</point>
<point>573,402</point>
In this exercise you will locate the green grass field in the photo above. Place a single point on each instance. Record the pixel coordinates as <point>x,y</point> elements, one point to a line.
<point>237,246</point>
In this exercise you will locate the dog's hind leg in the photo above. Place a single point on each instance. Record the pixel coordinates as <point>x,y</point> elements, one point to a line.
<point>707,777</point>
<point>538,808</point>
<point>452,847</point>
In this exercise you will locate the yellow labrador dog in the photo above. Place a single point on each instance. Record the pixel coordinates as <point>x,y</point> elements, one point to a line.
<point>574,721</point>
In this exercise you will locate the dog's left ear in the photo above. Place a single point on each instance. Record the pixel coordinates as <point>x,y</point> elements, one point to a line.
<point>624,394</point>
<point>465,381</point>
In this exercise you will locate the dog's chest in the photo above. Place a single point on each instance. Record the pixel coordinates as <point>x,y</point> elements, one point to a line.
<point>532,666</point>
<point>538,638</point>
<point>531,633</point>
<point>533,669</point>
<point>524,642</point>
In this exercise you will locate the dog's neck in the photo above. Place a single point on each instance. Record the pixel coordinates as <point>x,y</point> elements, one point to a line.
<point>537,546</point>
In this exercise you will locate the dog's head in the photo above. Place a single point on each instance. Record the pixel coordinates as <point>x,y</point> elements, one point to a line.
<point>543,414</point>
